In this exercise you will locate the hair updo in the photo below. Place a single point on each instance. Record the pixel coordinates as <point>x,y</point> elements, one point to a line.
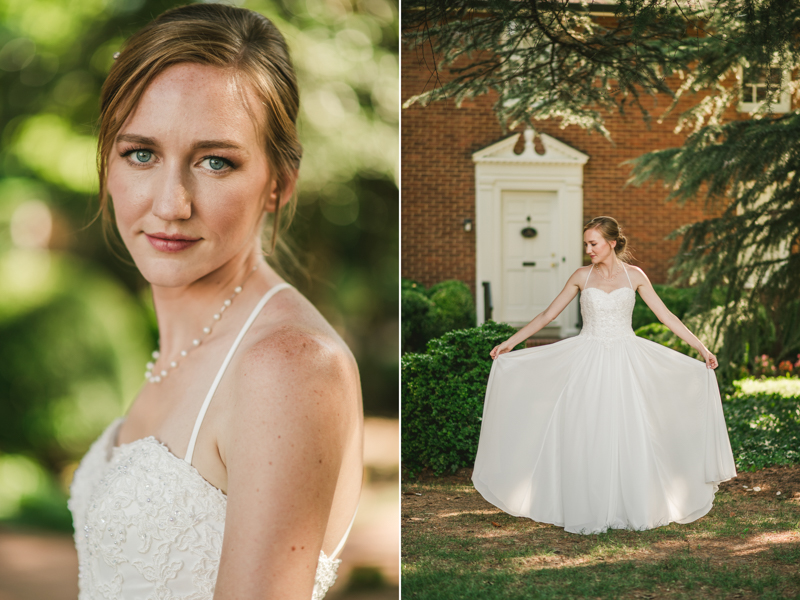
<point>220,36</point>
<point>611,232</point>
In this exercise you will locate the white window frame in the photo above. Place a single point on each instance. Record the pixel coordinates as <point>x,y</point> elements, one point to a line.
<point>784,105</point>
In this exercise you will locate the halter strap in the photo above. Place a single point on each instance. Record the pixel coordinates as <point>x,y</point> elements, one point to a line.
<point>587,277</point>
<point>264,299</point>
<point>626,273</point>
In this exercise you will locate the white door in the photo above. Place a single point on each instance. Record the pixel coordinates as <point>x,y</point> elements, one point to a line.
<point>530,263</point>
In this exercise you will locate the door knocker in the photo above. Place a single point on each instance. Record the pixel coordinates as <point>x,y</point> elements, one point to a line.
<point>529,232</point>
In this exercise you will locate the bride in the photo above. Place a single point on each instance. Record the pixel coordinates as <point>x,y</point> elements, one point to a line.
<point>237,471</point>
<point>605,429</point>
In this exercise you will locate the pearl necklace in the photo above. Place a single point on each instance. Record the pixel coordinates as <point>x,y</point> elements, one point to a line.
<point>158,376</point>
<point>615,273</point>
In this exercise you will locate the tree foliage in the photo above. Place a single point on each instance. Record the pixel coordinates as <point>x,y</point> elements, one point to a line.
<point>569,62</point>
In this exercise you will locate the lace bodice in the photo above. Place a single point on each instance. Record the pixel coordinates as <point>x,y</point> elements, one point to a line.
<point>607,316</point>
<point>148,525</point>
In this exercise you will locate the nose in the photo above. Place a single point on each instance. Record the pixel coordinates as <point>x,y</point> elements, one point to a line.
<point>172,199</point>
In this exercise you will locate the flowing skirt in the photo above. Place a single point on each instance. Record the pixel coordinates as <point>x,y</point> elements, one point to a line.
<point>590,435</point>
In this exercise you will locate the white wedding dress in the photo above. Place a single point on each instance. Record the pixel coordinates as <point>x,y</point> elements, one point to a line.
<point>604,429</point>
<point>148,525</point>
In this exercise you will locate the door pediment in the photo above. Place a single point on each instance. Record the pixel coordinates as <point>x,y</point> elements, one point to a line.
<point>556,152</point>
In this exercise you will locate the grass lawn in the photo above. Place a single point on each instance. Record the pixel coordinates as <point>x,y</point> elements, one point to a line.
<point>457,545</point>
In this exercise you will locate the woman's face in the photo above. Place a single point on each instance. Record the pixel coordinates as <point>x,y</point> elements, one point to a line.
<point>596,246</point>
<point>189,177</point>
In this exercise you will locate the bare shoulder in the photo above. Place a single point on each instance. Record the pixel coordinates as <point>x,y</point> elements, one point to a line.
<point>579,276</point>
<point>297,367</point>
<point>290,439</point>
<point>637,276</point>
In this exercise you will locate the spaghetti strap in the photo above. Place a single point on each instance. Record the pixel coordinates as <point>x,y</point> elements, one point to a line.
<point>264,299</point>
<point>344,537</point>
<point>587,277</point>
<point>629,277</point>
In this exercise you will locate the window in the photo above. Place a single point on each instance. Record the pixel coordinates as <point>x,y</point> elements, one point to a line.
<point>758,83</point>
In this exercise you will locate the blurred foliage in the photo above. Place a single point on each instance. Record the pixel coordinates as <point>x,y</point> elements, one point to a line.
<point>430,313</point>
<point>76,322</point>
<point>678,300</point>
<point>661,334</point>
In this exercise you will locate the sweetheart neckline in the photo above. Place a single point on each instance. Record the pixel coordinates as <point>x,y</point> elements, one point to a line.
<point>154,440</point>
<point>611,292</point>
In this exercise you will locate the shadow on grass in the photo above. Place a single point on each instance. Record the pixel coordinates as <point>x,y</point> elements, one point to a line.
<point>677,576</point>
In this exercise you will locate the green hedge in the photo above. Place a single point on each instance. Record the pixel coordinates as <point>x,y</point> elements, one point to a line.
<point>442,398</point>
<point>428,314</point>
<point>764,429</point>
<point>416,318</point>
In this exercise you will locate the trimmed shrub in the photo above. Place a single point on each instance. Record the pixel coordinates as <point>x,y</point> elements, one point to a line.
<point>416,318</point>
<point>427,314</point>
<point>442,398</point>
<point>410,284</point>
<point>455,308</point>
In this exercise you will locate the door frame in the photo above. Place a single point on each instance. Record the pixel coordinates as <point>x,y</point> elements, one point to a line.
<point>558,169</point>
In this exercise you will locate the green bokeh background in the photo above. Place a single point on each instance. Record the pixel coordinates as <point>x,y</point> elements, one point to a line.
<point>76,322</point>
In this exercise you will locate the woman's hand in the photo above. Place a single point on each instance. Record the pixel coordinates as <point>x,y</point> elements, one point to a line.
<point>501,349</point>
<point>711,360</point>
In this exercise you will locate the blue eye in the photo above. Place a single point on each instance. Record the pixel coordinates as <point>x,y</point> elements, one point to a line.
<point>216,163</point>
<point>143,156</point>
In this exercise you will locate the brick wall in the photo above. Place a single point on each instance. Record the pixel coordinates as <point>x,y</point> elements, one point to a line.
<point>438,188</point>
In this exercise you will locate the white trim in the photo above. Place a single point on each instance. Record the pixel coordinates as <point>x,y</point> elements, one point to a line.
<point>559,169</point>
<point>784,105</point>
<point>556,152</point>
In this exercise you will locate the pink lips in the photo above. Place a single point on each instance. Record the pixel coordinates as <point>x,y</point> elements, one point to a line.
<point>170,242</point>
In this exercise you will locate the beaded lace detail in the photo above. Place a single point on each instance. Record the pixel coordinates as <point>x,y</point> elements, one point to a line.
<point>148,525</point>
<point>607,316</point>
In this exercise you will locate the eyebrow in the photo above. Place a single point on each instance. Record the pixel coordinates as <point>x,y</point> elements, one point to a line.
<point>200,145</point>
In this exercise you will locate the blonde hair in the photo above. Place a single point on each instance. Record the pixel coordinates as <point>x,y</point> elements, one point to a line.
<point>219,36</point>
<point>611,232</point>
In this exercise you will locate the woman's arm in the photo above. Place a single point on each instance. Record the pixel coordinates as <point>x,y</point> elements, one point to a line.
<point>648,294</point>
<point>283,451</point>
<point>570,290</point>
